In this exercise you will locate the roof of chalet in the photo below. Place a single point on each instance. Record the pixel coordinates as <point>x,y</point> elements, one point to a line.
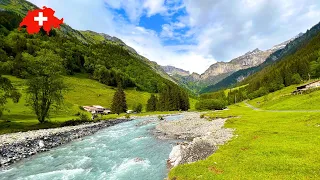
<point>308,84</point>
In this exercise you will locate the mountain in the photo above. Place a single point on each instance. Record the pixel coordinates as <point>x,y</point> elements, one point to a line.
<point>248,60</point>
<point>238,76</point>
<point>171,70</point>
<point>221,70</point>
<point>104,58</point>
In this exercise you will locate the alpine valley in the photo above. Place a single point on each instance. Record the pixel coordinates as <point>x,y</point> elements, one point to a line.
<point>223,70</point>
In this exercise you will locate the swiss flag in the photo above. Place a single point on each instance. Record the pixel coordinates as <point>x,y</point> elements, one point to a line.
<point>41,18</point>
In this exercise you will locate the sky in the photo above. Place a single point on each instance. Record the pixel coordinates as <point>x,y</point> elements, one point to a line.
<point>191,34</point>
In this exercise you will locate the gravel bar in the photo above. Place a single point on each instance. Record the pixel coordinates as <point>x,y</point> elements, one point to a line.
<point>201,137</point>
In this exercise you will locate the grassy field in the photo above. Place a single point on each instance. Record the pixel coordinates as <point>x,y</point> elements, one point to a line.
<point>283,100</point>
<point>267,145</point>
<point>81,91</point>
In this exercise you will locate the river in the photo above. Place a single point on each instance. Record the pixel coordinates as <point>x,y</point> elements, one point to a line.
<point>123,152</point>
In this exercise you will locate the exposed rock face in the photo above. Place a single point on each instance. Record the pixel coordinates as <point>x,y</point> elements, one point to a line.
<point>175,71</point>
<point>250,59</point>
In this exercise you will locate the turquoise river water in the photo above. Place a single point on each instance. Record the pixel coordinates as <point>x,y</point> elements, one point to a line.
<point>122,152</point>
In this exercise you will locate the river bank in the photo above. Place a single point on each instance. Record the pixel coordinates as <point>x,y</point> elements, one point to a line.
<point>201,137</point>
<point>17,146</point>
<point>124,151</point>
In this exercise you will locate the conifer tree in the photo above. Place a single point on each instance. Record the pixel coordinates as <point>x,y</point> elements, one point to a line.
<point>119,103</point>
<point>152,103</point>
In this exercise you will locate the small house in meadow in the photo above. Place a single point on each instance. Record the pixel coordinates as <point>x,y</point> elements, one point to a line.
<point>311,85</point>
<point>97,109</point>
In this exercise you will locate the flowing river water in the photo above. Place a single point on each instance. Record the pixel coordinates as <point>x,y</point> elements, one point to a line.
<point>123,152</point>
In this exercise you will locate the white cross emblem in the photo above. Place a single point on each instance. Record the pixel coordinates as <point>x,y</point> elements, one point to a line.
<point>41,19</point>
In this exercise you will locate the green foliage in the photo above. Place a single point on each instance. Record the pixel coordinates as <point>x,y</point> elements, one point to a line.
<point>161,118</point>
<point>7,91</point>
<point>173,98</point>
<point>296,79</point>
<point>119,103</point>
<point>202,116</point>
<point>84,117</point>
<point>138,108</point>
<point>152,103</point>
<point>211,104</point>
<point>127,116</point>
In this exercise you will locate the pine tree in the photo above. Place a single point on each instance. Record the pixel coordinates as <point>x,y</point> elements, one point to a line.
<point>152,103</point>
<point>119,104</point>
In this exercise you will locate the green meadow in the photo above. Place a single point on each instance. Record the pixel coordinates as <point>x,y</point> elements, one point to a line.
<point>81,91</point>
<point>266,145</point>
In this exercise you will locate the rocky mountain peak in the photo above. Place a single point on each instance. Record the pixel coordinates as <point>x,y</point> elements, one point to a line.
<point>171,70</point>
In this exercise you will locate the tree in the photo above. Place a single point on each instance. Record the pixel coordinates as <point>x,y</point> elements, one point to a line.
<point>119,103</point>
<point>138,108</point>
<point>7,91</point>
<point>211,104</point>
<point>45,86</point>
<point>152,103</point>
<point>296,78</point>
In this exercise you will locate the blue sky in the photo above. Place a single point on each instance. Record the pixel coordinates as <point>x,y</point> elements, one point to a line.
<point>191,34</point>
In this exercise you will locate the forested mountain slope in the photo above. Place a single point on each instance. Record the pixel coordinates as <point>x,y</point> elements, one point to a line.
<point>109,61</point>
<point>291,48</point>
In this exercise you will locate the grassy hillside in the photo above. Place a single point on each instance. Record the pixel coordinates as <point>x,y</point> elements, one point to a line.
<point>283,100</point>
<point>267,145</point>
<point>81,91</point>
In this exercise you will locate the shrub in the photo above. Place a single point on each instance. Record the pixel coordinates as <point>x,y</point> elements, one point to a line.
<point>160,117</point>
<point>127,116</point>
<point>211,104</point>
<point>81,108</point>
<point>202,116</point>
<point>84,117</point>
<point>138,108</point>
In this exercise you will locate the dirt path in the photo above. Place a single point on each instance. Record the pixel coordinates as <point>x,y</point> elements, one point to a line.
<point>257,109</point>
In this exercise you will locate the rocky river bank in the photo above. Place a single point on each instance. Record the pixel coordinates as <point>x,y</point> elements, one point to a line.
<point>200,136</point>
<point>17,146</point>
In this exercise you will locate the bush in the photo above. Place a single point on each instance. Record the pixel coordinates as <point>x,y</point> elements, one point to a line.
<point>127,116</point>
<point>160,117</point>
<point>138,108</point>
<point>202,116</point>
<point>296,79</point>
<point>84,117</point>
<point>81,108</point>
<point>211,104</point>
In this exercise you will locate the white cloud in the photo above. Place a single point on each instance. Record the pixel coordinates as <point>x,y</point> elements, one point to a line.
<point>154,6</point>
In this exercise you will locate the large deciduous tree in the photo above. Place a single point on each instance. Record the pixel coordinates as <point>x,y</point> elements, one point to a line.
<point>45,85</point>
